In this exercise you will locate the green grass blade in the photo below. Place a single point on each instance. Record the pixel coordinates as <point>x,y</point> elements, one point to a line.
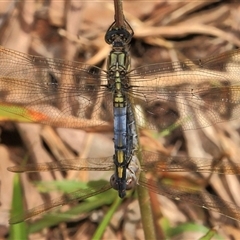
<point>210,234</point>
<point>20,230</point>
<point>95,202</point>
<point>191,227</point>
<point>106,220</point>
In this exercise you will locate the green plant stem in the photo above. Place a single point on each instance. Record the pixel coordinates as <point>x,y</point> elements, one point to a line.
<point>143,196</point>
<point>20,230</point>
<point>102,227</point>
<point>146,212</point>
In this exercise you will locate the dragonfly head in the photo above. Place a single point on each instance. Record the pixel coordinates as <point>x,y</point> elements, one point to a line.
<point>121,34</point>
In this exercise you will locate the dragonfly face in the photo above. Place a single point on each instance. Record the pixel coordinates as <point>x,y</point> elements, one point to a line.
<point>123,34</point>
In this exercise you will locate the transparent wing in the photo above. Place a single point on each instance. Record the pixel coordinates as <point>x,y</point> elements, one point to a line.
<point>90,164</point>
<point>65,199</point>
<point>68,94</point>
<point>156,162</point>
<point>153,163</point>
<point>197,197</point>
<point>53,91</point>
<point>194,93</point>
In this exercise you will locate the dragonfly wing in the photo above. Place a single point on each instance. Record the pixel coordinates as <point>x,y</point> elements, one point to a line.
<point>156,162</point>
<point>53,91</point>
<point>89,164</point>
<point>194,94</point>
<point>67,198</point>
<point>193,196</point>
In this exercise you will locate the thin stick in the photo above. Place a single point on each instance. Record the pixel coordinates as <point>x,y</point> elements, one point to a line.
<point>119,17</point>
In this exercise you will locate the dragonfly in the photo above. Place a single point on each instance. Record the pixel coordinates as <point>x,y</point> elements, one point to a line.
<point>75,95</point>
